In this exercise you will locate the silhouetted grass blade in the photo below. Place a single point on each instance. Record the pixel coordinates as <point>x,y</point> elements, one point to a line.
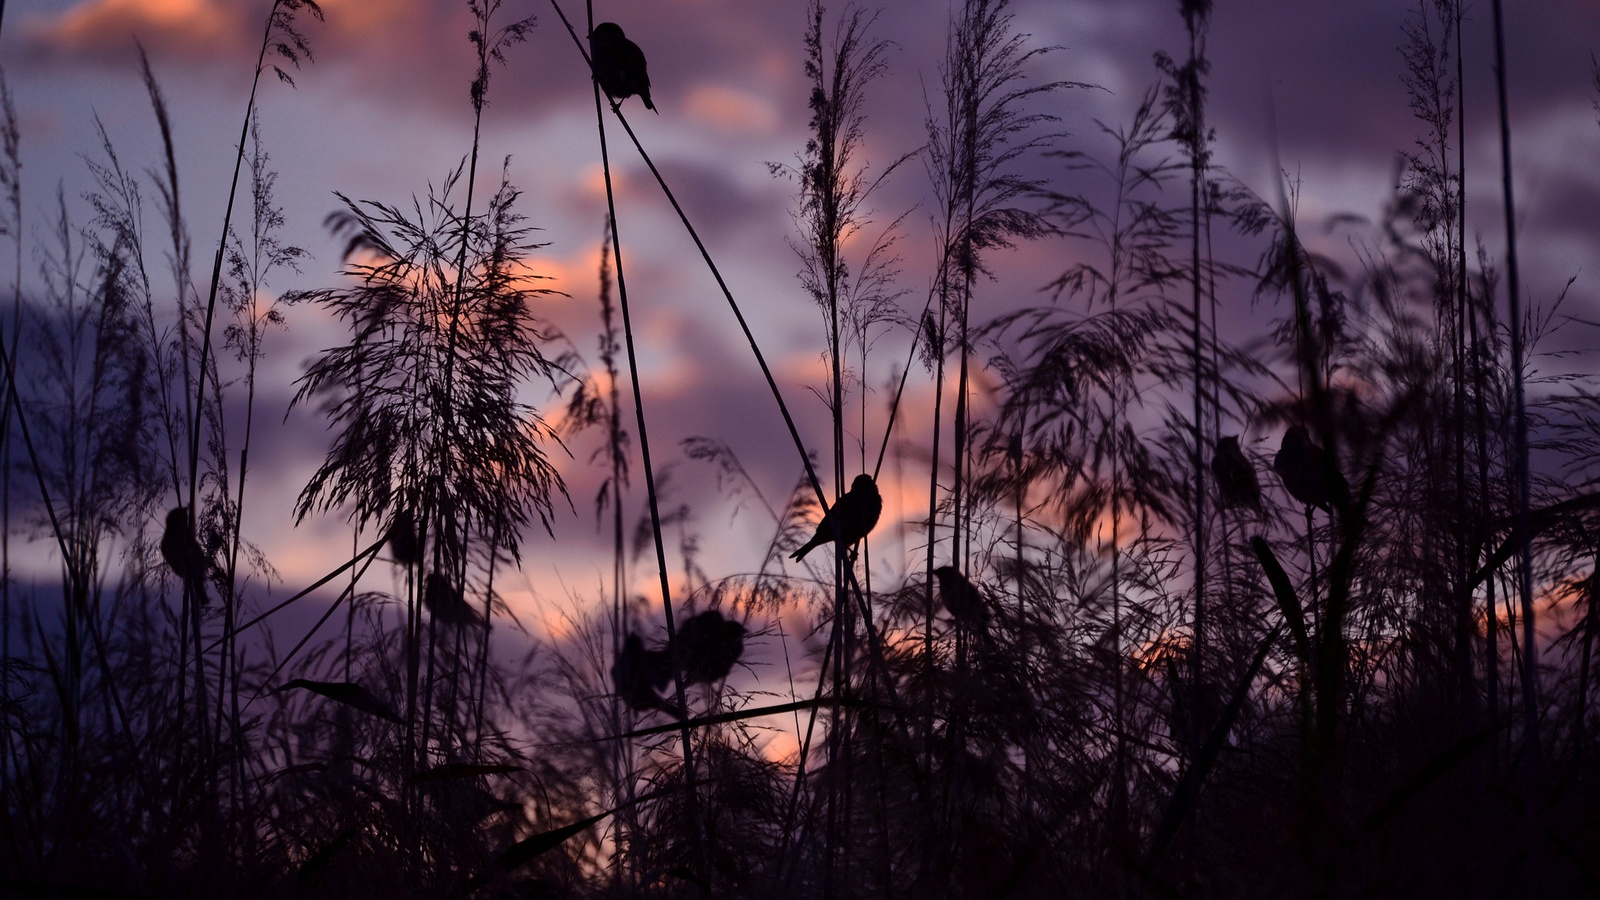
<point>528,849</point>
<point>352,695</point>
<point>720,718</point>
<point>1288,600</point>
<point>456,771</point>
<point>320,859</point>
<point>1186,794</point>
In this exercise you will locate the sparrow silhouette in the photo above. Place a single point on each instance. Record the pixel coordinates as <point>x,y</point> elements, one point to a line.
<point>962,599</point>
<point>402,538</point>
<point>619,64</point>
<point>640,675</point>
<point>854,515</point>
<point>1236,475</point>
<point>446,604</point>
<point>707,646</point>
<point>1309,472</point>
<point>183,554</point>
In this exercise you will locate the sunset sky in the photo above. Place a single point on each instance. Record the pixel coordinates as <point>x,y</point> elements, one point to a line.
<point>383,112</point>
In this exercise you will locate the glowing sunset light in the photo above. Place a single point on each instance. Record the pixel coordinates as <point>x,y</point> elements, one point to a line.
<point>95,21</point>
<point>731,110</point>
<point>1141,228</point>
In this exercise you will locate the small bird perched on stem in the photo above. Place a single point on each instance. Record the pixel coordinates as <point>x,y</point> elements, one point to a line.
<point>1309,472</point>
<point>707,646</point>
<point>854,515</point>
<point>446,604</point>
<point>1236,475</point>
<point>183,554</point>
<point>402,538</point>
<point>962,599</point>
<point>640,675</point>
<point>619,64</point>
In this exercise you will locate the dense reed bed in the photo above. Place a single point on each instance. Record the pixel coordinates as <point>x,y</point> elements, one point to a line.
<point>1233,569</point>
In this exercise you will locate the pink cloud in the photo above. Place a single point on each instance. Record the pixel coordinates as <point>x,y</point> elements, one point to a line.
<point>105,30</point>
<point>730,110</point>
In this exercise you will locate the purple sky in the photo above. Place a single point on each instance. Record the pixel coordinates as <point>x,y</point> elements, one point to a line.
<point>384,110</point>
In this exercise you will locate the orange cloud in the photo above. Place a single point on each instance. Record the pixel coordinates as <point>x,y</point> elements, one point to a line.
<point>729,110</point>
<point>782,747</point>
<point>359,17</point>
<point>191,27</point>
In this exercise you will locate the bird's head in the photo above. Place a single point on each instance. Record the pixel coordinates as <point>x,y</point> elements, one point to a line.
<point>863,485</point>
<point>946,575</point>
<point>1296,436</point>
<point>1229,444</point>
<point>606,31</point>
<point>178,519</point>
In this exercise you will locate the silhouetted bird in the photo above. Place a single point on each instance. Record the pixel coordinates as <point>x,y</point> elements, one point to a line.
<point>402,538</point>
<point>707,646</point>
<point>962,599</point>
<point>640,675</point>
<point>619,64</point>
<point>1309,472</point>
<point>183,554</point>
<point>1236,475</point>
<point>854,515</point>
<point>446,604</point>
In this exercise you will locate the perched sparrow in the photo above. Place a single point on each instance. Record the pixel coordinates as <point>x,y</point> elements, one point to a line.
<point>639,675</point>
<point>1309,472</point>
<point>854,515</point>
<point>402,538</point>
<point>707,646</point>
<point>183,554</point>
<point>1236,475</point>
<point>619,64</point>
<point>446,604</point>
<point>962,599</point>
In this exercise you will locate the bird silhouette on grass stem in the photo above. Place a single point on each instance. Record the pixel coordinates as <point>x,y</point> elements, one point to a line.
<point>1310,473</point>
<point>183,554</point>
<point>402,537</point>
<point>707,646</point>
<point>446,604</point>
<point>853,516</point>
<point>962,599</point>
<point>640,675</point>
<point>619,64</point>
<point>1236,475</point>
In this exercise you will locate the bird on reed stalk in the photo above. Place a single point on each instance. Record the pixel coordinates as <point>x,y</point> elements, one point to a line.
<point>639,676</point>
<point>1236,475</point>
<point>446,604</point>
<point>707,646</point>
<point>619,64</point>
<point>1309,472</point>
<point>183,554</point>
<point>402,538</point>
<point>853,516</point>
<point>962,599</point>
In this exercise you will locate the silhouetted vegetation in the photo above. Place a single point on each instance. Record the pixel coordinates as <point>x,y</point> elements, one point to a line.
<point>1249,577</point>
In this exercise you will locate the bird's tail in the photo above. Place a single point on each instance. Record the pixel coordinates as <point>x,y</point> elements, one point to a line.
<point>198,587</point>
<point>670,706</point>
